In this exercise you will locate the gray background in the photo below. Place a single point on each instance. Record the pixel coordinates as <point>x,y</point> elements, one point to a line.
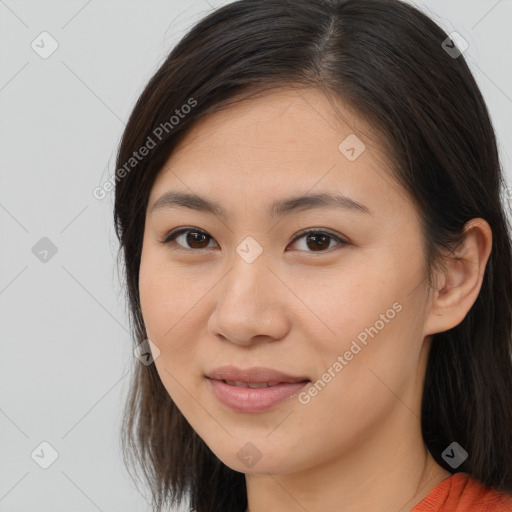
<point>66,349</point>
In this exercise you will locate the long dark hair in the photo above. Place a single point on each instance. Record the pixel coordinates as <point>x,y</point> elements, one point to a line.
<point>397,69</point>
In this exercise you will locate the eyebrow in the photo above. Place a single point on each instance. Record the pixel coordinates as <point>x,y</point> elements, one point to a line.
<point>278,209</point>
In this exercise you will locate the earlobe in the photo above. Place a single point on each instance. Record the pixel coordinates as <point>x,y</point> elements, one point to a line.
<point>461,278</point>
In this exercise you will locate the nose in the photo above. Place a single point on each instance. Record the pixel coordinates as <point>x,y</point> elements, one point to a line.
<point>250,305</point>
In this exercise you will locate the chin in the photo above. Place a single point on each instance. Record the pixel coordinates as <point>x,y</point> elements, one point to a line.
<point>246,457</point>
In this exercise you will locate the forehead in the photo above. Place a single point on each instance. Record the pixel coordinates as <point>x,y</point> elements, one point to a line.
<point>277,123</point>
<point>282,143</point>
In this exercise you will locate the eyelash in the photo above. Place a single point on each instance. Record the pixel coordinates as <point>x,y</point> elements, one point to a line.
<point>170,237</point>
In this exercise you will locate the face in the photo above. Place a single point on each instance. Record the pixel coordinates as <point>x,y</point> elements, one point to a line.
<point>342,307</point>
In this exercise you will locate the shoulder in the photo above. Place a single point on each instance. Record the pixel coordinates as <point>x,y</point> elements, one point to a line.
<point>463,493</point>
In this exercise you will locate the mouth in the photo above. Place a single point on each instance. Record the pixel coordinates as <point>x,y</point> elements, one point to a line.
<point>252,385</point>
<point>253,377</point>
<point>253,390</point>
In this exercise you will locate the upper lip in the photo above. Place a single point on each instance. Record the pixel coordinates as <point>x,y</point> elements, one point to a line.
<point>256,374</point>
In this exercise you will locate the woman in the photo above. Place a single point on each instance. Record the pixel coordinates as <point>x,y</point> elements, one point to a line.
<point>318,267</point>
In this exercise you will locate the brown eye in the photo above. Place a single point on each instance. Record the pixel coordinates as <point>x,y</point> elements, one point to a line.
<point>318,241</point>
<point>191,239</point>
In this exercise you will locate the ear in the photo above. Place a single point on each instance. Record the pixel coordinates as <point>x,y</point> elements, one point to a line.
<point>459,283</point>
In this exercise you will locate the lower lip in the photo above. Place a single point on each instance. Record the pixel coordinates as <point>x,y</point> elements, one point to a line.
<point>242,399</point>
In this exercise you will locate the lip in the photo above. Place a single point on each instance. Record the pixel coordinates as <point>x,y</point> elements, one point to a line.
<point>255,375</point>
<point>253,400</point>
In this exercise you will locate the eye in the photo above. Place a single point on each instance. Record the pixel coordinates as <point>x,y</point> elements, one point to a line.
<point>318,240</point>
<point>197,239</point>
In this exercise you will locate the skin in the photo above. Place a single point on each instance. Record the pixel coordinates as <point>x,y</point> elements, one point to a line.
<point>357,444</point>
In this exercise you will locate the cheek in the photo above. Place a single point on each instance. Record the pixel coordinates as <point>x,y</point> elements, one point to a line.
<point>151,299</point>
<point>375,327</point>
<point>349,307</point>
<point>361,387</point>
<point>169,305</point>
<point>163,295</point>
<point>165,318</point>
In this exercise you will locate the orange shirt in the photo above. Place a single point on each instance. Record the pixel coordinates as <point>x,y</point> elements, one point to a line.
<point>462,493</point>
